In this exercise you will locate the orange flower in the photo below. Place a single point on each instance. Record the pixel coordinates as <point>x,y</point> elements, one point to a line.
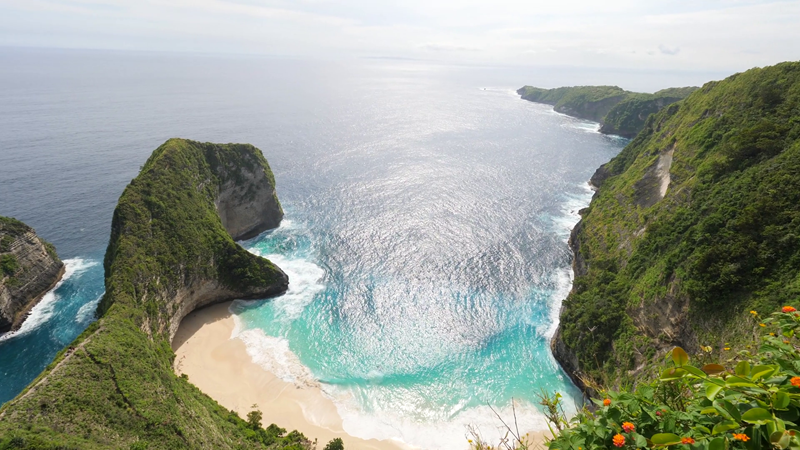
<point>741,437</point>
<point>619,440</point>
<point>788,309</point>
<point>606,402</point>
<point>795,381</point>
<point>628,427</point>
<point>687,440</point>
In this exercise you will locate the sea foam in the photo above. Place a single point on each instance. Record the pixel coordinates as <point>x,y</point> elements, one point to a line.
<point>450,433</point>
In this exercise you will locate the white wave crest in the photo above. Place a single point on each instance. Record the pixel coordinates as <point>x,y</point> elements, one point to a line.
<point>87,311</point>
<point>305,281</point>
<point>273,355</point>
<point>44,310</point>
<point>570,211</point>
<point>451,433</point>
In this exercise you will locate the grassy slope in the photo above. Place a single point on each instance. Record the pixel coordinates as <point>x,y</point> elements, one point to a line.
<point>114,386</point>
<point>725,239</point>
<point>621,112</point>
<point>587,102</point>
<point>627,118</point>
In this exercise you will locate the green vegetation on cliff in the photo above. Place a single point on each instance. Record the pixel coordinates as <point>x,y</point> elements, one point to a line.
<point>114,386</point>
<point>627,117</point>
<point>694,222</point>
<point>619,111</point>
<point>585,102</point>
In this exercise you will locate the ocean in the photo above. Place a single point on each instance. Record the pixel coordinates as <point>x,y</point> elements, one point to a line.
<point>427,208</point>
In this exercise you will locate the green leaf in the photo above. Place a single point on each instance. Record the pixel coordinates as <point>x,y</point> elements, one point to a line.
<point>664,439</point>
<point>717,444</point>
<point>724,426</point>
<point>758,416</point>
<point>712,390</point>
<point>713,369</point>
<point>742,369</point>
<point>673,374</point>
<point>759,372</point>
<point>780,439</point>
<point>702,429</point>
<point>732,410</point>
<point>781,400</point>
<point>640,441</point>
<point>721,409</point>
<point>694,371</point>
<point>738,381</point>
<point>679,356</point>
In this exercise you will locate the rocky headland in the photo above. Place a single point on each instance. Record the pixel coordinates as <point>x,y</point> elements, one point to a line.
<point>29,267</point>
<point>619,112</point>
<point>171,251</point>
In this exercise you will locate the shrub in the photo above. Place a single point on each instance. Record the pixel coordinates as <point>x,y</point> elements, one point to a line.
<point>335,444</point>
<point>753,403</point>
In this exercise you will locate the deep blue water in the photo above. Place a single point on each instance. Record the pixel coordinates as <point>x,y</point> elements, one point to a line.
<point>427,206</point>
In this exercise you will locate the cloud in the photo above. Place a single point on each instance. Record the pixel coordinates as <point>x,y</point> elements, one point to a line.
<point>708,35</point>
<point>446,47</point>
<point>668,50</point>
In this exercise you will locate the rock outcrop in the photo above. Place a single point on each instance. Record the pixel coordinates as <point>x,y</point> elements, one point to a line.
<point>29,267</point>
<point>247,202</point>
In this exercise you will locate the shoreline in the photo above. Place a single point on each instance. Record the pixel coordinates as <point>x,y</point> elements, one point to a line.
<point>221,367</point>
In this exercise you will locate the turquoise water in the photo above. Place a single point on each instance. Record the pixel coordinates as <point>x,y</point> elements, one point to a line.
<point>427,214</point>
<point>56,321</point>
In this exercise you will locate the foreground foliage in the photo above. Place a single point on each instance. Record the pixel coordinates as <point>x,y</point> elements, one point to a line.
<point>752,402</point>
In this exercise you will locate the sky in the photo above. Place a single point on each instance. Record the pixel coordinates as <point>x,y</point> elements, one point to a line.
<point>696,35</point>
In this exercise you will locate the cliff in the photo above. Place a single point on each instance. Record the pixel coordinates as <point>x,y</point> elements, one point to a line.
<point>618,111</point>
<point>695,222</point>
<point>584,102</point>
<point>29,267</point>
<point>170,252</point>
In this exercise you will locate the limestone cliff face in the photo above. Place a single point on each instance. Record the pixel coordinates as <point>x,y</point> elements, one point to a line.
<point>29,268</point>
<point>182,213</point>
<point>247,202</point>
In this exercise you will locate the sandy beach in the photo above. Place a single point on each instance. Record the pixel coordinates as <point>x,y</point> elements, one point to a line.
<point>221,367</point>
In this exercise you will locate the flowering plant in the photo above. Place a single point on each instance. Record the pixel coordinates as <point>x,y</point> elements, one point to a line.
<point>752,405</point>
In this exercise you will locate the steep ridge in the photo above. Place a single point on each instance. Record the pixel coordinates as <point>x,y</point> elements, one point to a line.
<point>584,102</point>
<point>627,117</point>
<point>694,222</point>
<point>618,111</point>
<point>169,253</point>
<point>29,267</point>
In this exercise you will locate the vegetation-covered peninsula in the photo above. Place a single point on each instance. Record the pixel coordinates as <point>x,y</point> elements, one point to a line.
<point>618,111</point>
<point>170,251</point>
<point>29,267</point>
<point>695,222</point>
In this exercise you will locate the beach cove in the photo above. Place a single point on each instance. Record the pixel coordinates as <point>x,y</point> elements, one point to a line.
<point>219,365</point>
